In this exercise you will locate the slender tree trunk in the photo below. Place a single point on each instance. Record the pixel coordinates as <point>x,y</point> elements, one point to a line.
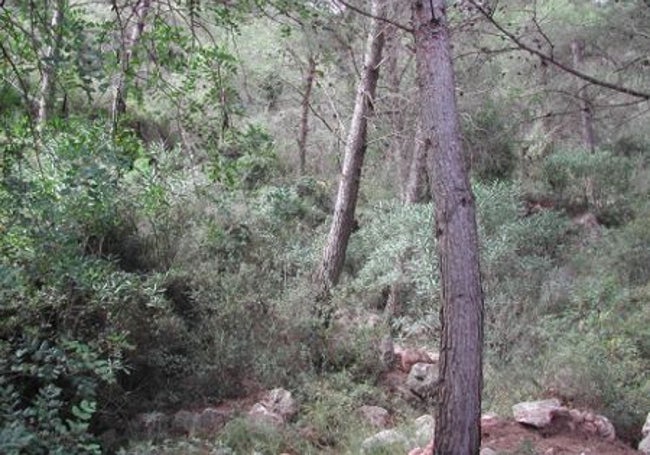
<point>459,412</point>
<point>50,57</point>
<point>330,267</point>
<point>304,117</point>
<point>133,34</point>
<point>586,110</point>
<point>417,187</point>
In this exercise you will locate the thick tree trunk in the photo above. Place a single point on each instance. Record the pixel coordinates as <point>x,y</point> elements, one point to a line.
<point>346,201</point>
<point>50,57</point>
<point>304,117</point>
<point>133,34</point>
<point>586,110</point>
<point>459,412</point>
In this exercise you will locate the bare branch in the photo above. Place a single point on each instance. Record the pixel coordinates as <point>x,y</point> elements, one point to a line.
<point>549,59</point>
<point>372,16</point>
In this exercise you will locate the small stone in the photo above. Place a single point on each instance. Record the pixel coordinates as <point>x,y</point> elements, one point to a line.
<point>487,451</point>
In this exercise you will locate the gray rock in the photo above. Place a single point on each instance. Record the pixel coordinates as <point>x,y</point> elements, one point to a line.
<point>487,451</point>
<point>425,427</point>
<point>280,401</point>
<point>262,415</point>
<point>537,413</point>
<point>644,445</point>
<point>375,415</point>
<point>423,380</point>
<point>387,441</point>
<point>646,426</point>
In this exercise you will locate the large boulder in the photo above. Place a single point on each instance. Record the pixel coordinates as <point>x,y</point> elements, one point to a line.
<point>423,381</point>
<point>538,414</point>
<point>386,441</point>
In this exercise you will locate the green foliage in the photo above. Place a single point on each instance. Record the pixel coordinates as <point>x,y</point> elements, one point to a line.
<point>246,159</point>
<point>490,143</point>
<point>595,182</point>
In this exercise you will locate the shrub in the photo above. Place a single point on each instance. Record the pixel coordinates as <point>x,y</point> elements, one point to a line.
<point>595,182</point>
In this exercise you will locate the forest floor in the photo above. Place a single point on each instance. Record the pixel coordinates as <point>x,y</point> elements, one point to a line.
<point>506,436</point>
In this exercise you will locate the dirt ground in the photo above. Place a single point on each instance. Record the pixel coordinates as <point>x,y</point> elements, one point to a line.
<point>506,436</point>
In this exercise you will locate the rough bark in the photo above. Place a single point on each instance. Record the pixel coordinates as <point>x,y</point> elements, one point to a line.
<point>50,57</point>
<point>304,117</point>
<point>133,34</point>
<point>330,267</point>
<point>461,347</point>
<point>586,110</point>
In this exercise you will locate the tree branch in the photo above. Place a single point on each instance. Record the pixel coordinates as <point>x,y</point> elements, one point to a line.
<point>372,16</point>
<point>549,59</point>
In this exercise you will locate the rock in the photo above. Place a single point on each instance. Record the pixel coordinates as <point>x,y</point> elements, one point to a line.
<point>591,423</point>
<point>375,415</point>
<point>262,415</point>
<point>423,380</point>
<point>387,441</point>
<point>425,427</point>
<point>280,401</point>
<point>489,420</point>
<point>605,428</point>
<point>537,413</point>
<point>152,424</point>
<point>644,445</point>
<point>185,422</point>
<point>407,357</point>
<point>487,451</point>
<point>211,420</point>
<point>427,450</point>
<point>645,431</point>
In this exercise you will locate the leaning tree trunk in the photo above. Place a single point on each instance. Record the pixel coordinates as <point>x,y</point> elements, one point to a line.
<point>133,34</point>
<point>586,110</point>
<point>50,57</point>
<point>461,346</point>
<point>346,200</point>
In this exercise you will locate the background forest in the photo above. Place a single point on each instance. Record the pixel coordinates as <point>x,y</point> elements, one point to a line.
<point>169,170</point>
